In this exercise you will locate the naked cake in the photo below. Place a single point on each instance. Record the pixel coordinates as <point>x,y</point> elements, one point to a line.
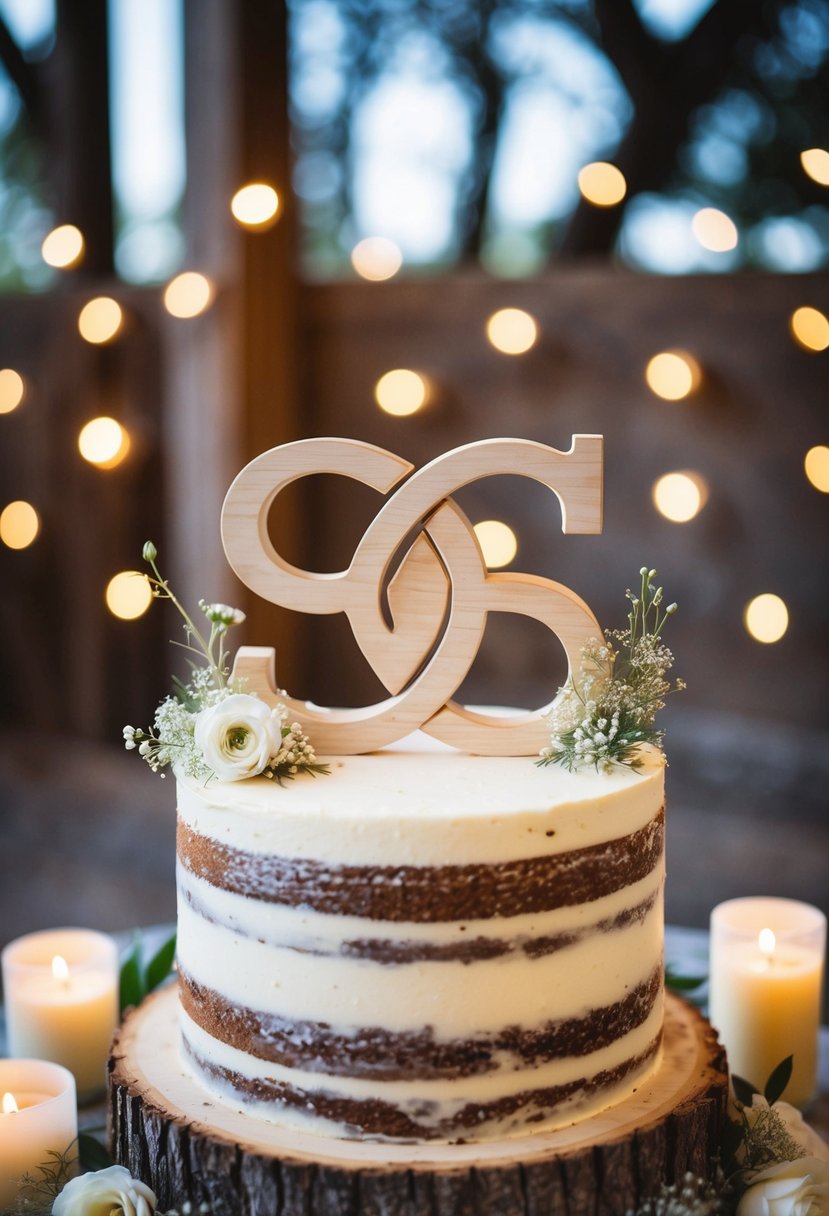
<point>423,945</point>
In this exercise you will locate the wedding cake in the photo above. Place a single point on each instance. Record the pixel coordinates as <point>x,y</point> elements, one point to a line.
<point>424,944</point>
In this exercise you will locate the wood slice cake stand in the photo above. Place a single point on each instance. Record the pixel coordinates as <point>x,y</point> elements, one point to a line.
<point>170,1133</point>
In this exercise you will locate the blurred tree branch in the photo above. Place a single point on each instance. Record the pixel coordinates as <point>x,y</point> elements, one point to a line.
<point>22,74</point>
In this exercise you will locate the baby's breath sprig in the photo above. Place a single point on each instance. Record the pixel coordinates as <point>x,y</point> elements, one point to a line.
<point>607,710</point>
<point>211,726</point>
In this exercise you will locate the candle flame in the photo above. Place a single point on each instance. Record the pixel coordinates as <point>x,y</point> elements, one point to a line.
<point>60,968</point>
<point>9,1104</point>
<point>767,942</point>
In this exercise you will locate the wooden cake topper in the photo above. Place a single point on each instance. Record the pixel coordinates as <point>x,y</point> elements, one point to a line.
<point>438,598</point>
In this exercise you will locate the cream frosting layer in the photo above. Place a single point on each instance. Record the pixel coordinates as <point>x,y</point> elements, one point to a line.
<point>455,998</point>
<point>426,807</point>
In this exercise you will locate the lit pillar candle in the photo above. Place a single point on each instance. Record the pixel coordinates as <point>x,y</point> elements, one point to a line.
<point>61,995</point>
<point>765,988</point>
<point>38,1116</point>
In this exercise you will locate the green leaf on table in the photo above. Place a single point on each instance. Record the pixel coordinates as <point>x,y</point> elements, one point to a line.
<point>132,987</point>
<point>779,1079</point>
<point>91,1153</point>
<point>744,1091</point>
<point>160,965</point>
<point>683,983</point>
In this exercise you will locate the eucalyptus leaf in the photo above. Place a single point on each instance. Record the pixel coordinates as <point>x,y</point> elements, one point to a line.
<point>132,987</point>
<point>161,964</point>
<point>91,1153</point>
<point>744,1091</point>
<point>779,1079</point>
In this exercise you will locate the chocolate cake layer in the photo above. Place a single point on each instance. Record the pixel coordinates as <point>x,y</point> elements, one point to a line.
<point>403,951</point>
<point>428,894</point>
<point>396,1055</point>
<point>376,1117</point>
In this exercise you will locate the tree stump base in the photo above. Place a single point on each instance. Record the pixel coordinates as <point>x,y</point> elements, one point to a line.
<point>188,1147</point>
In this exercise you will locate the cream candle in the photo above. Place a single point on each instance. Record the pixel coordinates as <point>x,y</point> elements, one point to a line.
<point>61,996</point>
<point>765,988</point>
<point>38,1116</point>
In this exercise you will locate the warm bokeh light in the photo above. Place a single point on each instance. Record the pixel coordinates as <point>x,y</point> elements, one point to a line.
<point>680,496</point>
<point>602,184</point>
<point>766,618</point>
<point>715,230</point>
<point>673,374</point>
<point>512,331</point>
<point>816,464</point>
<point>498,542</point>
<point>255,206</point>
<point>815,162</point>
<point>810,328</point>
<point>100,320</point>
<point>104,442</point>
<point>188,294</point>
<point>63,247</point>
<point>401,392</point>
<point>12,389</point>
<point>376,258</point>
<point>128,595</point>
<point>19,525</point>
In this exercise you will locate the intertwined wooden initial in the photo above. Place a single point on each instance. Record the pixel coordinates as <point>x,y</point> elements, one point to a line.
<point>438,598</point>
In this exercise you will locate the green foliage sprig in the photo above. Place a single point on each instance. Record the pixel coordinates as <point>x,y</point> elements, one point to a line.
<point>139,979</point>
<point>607,710</point>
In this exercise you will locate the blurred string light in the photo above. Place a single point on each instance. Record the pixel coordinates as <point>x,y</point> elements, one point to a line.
<point>815,162</point>
<point>255,206</point>
<point>104,442</point>
<point>63,247</point>
<point>498,542</point>
<point>512,331</point>
<point>715,230</point>
<point>19,525</point>
<point>402,392</point>
<point>12,390</point>
<point>100,320</point>
<point>188,294</point>
<point>766,618</point>
<point>680,496</point>
<point>810,327</point>
<point>376,258</point>
<point>673,375</point>
<point>128,595</point>
<point>602,184</point>
<point>816,464</point>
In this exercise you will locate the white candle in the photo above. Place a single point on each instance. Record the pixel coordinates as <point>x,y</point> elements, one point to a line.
<point>765,988</point>
<point>38,1116</point>
<point>61,995</point>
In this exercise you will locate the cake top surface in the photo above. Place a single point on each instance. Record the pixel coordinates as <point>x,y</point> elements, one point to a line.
<point>421,777</point>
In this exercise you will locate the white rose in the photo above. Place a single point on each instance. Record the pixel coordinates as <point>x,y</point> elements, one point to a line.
<point>238,736</point>
<point>792,1188</point>
<point>109,1192</point>
<point>804,1136</point>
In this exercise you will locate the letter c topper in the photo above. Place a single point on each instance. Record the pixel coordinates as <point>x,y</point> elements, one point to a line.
<point>438,598</point>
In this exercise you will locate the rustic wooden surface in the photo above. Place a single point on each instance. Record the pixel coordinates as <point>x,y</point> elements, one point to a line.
<point>187,1147</point>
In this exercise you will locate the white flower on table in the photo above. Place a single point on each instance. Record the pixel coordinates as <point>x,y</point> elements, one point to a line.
<point>238,736</point>
<point>805,1137</point>
<point>109,1192</point>
<point>791,1188</point>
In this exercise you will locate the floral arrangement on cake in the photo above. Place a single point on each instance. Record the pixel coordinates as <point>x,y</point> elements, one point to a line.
<point>210,726</point>
<point>772,1163</point>
<point>607,709</point>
